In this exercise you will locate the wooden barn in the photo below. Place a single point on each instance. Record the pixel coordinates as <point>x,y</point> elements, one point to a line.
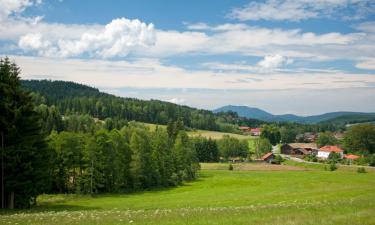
<point>269,157</point>
<point>299,149</point>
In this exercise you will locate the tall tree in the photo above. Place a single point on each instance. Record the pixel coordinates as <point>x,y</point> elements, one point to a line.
<point>25,156</point>
<point>360,139</point>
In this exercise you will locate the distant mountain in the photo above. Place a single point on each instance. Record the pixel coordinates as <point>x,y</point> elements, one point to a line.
<point>255,113</point>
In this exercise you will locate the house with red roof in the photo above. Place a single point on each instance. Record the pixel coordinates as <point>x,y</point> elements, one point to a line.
<point>268,157</point>
<point>324,151</point>
<point>351,157</point>
<point>255,131</point>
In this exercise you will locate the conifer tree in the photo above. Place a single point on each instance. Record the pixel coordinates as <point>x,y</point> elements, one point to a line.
<point>24,156</point>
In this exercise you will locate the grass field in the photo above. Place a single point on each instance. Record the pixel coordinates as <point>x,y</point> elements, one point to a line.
<point>203,133</point>
<point>216,134</point>
<point>251,194</point>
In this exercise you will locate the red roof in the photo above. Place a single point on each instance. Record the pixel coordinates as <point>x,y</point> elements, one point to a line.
<point>331,148</point>
<point>350,156</point>
<point>267,155</point>
<point>255,130</point>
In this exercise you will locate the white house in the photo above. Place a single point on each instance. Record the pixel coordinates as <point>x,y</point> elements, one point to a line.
<point>324,151</point>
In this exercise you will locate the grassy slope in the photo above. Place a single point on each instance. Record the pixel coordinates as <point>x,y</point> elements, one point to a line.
<point>223,197</point>
<point>203,133</point>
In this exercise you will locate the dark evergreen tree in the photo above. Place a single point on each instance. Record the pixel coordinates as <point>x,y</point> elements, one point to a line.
<point>25,157</point>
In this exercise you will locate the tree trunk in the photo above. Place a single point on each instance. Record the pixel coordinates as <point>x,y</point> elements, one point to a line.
<point>11,200</point>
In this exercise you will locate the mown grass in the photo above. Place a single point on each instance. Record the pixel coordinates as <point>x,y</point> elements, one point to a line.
<point>221,197</point>
<point>217,135</point>
<point>204,133</point>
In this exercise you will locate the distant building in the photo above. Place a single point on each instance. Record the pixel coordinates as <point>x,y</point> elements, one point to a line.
<point>351,157</point>
<point>306,137</point>
<point>324,151</point>
<point>299,149</point>
<point>269,157</point>
<point>339,135</point>
<point>255,131</point>
<point>251,131</point>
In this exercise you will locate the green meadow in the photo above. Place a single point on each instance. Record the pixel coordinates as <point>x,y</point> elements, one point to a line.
<point>267,195</point>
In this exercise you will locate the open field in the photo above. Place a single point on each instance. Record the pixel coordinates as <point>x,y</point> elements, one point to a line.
<point>288,196</point>
<point>216,134</point>
<point>203,133</point>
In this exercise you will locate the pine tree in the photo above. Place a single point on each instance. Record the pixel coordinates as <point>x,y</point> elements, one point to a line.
<point>25,157</point>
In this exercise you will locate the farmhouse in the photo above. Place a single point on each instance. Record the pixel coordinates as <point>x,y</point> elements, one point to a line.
<point>306,137</point>
<point>251,131</point>
<point>269,157</point>
<point>324,151</point>
<point>299,149</point>
<point>255,131</point>
<point>351,157</point>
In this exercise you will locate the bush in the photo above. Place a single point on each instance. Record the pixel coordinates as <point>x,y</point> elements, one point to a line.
<point>230,167</point>
<point>278,160</point>
<point>361,170</point>
<point>311,158</point>
<point>371,160</point>
<point>332,167</point>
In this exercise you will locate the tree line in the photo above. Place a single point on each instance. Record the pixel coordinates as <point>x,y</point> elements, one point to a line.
<point>43,152</point>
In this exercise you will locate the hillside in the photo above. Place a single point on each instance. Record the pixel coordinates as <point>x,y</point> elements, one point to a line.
<point>70,98</point>
<point>255,113</point>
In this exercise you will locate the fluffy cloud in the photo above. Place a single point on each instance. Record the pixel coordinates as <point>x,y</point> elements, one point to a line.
<point>115,39</point>
<point>274,61</point>
<point>148,73</point>
<point>9,7</point>
<point>303,9</point>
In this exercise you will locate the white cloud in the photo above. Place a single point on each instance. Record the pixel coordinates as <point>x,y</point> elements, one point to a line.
<point>368,64</point>
<point>147,73</point>
<point>9,7</point>
<point>178,101</point>
<point>303,9</point>
<point>115,39</point>
<point>368,27</point>
<point>274,61</point>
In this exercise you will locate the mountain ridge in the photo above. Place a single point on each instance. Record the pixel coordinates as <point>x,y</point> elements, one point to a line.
<point>256,113</point>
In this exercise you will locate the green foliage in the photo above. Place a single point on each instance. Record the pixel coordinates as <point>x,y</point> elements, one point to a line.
<point>332,166</point>
<point>71,98</point>
<point>230,167</point>
<point>207,149</point>
<point>134,158</point>
<point>232,147</point>
<point>360,139</point>
<point>326,138</point>
<point>259,146</point>
<point>277,160</point>
<point>361,170</point>
<point>371,160</point>
<point>272,133</point>
<point>287,135</point>
<point>311,158</point>
<point>25,154</point>
<point>334,157</point>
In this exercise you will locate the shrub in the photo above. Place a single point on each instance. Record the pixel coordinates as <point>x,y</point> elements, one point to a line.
<point>278,160</point>
<point>332,167</point>
<point>371,160</point>
<point>230,167</point>
<point>361,170</point>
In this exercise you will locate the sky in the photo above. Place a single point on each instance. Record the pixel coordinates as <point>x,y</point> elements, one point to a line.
<point>294,56</point>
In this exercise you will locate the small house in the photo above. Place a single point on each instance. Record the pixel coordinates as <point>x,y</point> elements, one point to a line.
<point>351,157</point>
<point>269,157</point>
<point>299,149</point>
<point>255,131</point>
<point>324,151</point>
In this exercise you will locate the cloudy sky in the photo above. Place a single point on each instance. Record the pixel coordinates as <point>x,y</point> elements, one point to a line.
<point>293,56</point>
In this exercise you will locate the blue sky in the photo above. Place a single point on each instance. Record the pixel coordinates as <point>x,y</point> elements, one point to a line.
<point>303,57</point>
